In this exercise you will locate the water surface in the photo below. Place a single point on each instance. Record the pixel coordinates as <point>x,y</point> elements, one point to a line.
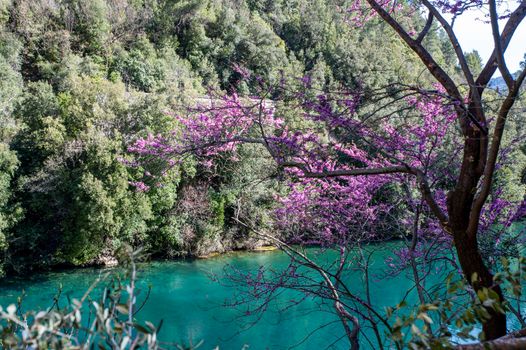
<point>191,303</point>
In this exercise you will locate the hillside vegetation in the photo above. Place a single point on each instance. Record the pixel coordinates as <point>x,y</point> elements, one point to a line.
<point>81,80</point>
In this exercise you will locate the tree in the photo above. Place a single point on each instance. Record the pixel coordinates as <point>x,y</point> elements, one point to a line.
<point>474,62</point>
<point>480,151</point>
<point>372,153</point>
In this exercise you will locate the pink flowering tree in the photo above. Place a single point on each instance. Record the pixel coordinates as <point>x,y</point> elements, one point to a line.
<point>482,139</point>
<point>438,145</point>
<point>332,201</point>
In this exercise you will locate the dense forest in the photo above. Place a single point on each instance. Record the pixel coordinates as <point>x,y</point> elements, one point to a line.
<point>81,80</point>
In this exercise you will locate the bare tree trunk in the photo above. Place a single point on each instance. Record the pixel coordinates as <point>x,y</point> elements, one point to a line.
<point>460,204</point>
<point>464,217</point>
<point>471,263</point>
<point>512,341</point>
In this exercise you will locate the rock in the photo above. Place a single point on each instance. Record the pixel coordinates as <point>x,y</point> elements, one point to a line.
<point>265,248</point>
<point>107,261</point>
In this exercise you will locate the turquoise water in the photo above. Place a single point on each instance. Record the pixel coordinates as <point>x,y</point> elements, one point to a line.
<point>191,303</point>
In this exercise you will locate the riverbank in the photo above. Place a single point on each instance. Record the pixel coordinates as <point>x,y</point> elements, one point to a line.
<point>110,261</point>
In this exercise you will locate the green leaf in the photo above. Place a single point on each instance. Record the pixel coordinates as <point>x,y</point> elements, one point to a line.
<point>141,328</point>
<point>424,317</point>
<point>122,308</point>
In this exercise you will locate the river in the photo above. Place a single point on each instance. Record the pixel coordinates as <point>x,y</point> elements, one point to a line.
<point>191,304</point>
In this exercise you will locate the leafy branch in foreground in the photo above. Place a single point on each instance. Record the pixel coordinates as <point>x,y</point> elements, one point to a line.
<point>104,317</point>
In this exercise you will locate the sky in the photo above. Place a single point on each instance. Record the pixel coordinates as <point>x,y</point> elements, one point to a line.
<point>474,34</point>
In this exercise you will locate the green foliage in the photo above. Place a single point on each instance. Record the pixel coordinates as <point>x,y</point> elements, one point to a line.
<point>91,24</point>
<point>80,80</point>
<point>474,62</point>
<point>429,326</point>
<point>10,82</point>
<point>9,212</point>
<point>71,181</point>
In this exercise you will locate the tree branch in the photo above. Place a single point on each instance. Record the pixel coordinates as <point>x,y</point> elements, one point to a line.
<point>423,184</point>
<point>489,170</point>
<point>499,53</point>
<point>417,47</point>
<point>348,172</point>
<point>512,341</point>
<point>454,41</point>
<point>507,33</point>
<point>426,28</point>
<point>344,315</point>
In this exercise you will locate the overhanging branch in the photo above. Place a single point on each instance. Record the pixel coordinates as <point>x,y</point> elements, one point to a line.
<point>423,184</point>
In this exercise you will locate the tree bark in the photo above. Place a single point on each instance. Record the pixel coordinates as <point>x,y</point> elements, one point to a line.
<point>471,262</point>
<point>464,219</point>
<point>512,341</point>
